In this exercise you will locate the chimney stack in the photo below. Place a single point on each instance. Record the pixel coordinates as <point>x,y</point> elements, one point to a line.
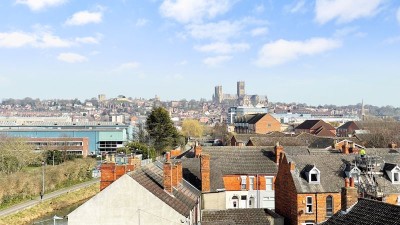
<point>278,151</point>
<point>174,175</point>
<point>167,156</point>
<point>179,171</point>
<point>349,194</point>
<point>205,172</point>
<point>168,177</point>
<point>197,151</point>
<point>345,148</point>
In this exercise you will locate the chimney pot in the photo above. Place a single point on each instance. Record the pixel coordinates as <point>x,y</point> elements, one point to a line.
<point>351,182</point>
<point>346,182</point>
<point>167,156</point>
<point>278,152</point>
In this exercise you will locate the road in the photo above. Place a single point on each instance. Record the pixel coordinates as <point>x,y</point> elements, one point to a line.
<point>47,196</point>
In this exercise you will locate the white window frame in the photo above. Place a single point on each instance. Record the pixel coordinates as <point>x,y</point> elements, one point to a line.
<point>251,183</point>
<point>308,204</point>
<point>398,177</point>
<point>243,183</point>
<point>271,184</point>
<point>317,172</point>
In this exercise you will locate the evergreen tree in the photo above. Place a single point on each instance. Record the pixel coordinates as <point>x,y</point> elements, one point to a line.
<point>161,130</point>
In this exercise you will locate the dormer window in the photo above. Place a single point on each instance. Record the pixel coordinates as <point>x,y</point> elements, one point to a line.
<point>354,173</point>
<point>393,172</point>
<point>313,175</point>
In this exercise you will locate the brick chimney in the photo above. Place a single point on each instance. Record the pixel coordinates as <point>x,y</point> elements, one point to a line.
<point>174,175</point>
<point>345,148</point>
<point>197,151</point>
<point>205,172</point>
<point>349,194</point>
<point>168,177</point>
<point>179,171</point>
<point>278,150</point>
<point>352,147</point>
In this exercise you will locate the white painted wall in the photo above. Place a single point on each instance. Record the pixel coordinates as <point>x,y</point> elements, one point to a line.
<point>121,203</point>
<point>258,196</point>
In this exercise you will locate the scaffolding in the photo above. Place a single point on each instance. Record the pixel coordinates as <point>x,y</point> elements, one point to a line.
<point>368,185</point>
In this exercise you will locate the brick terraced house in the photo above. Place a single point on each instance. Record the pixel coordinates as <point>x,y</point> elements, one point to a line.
<point>309,188</point>
<point>232,177</point>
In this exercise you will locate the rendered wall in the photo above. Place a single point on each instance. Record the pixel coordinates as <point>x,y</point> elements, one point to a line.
<point>124,202</point>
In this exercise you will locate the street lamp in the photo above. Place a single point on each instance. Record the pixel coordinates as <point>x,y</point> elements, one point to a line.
<point>42,193</point>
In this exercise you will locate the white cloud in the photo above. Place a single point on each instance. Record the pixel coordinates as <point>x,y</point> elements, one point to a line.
<point>217,31</point>
<point>141,22</point>
<point>297,7</point>
<point>223,47</point>
<point>282,51</point>
<point>128,66</point>
<point>48,40</point>
<point>186,11</point>
<point>83,18</point>
<point>259,31</point>
<point>36,5</point>
<point>398,15</point>
<point>70,57</point>
<point>344,11</point>
<point>89,40</point>
<point>214,61</point>
<point>17,39</point>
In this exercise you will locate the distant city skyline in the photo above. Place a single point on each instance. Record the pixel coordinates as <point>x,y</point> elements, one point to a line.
<point>315,52</point>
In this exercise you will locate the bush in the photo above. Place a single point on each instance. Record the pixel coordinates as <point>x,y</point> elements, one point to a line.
<point>22,185</point>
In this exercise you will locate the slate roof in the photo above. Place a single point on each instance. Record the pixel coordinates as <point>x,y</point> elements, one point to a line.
<point>238,217</point>
<point>256,118</point>
<point>324,132</point>
<point>348,124</point>
<point>308,124</point>
<point>184,197</point>
<point>367,212</point>
<point>332,167</point>
<point>243,160</point>
<point>271,141</point>
<point>389,166</point>
<point>230,160</point>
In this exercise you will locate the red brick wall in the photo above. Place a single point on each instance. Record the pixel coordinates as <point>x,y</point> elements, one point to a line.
<point>285,193</point>
<point>234,182</point>
<point>111,172</point>
<point>319,206</point>
<point>261,127</point>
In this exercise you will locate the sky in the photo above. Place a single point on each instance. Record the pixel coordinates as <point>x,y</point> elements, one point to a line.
<point>307,51</point>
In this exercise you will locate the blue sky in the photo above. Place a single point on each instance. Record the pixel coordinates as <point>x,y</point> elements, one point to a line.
<point>316,52</point>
